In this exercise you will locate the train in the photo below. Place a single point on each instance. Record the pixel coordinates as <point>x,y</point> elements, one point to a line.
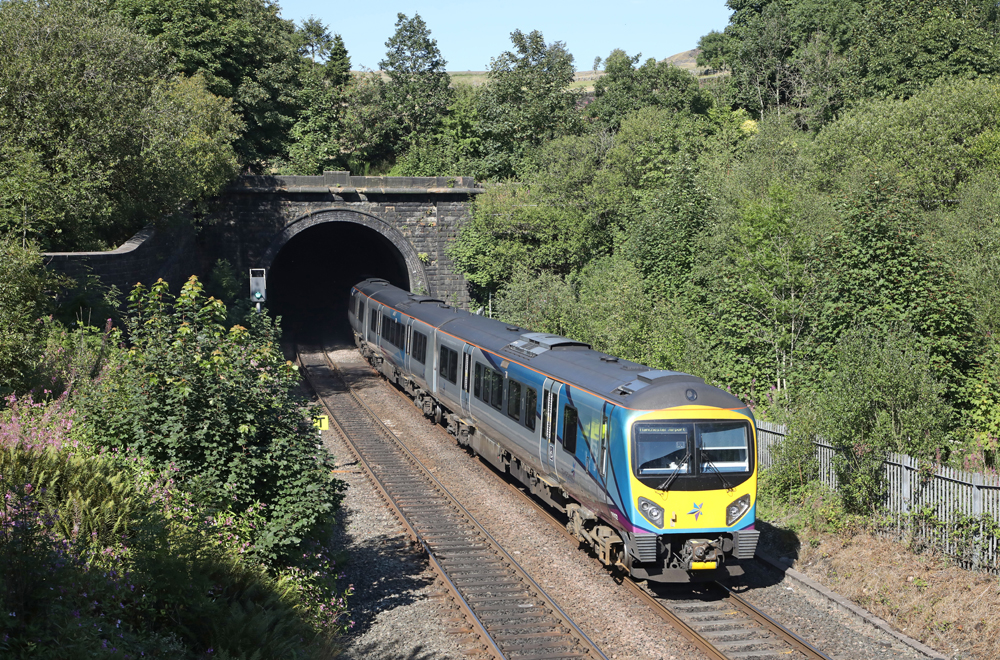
<point>654,470</point>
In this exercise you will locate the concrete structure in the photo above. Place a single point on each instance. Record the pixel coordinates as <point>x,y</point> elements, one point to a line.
<point>255,218</point>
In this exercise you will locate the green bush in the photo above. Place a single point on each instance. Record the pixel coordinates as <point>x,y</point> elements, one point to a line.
<point>217,407</point>
<point>101,554</point>
<point>880,396</point>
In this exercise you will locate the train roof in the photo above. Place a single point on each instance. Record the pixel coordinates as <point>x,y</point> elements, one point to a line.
<point>622,382</point>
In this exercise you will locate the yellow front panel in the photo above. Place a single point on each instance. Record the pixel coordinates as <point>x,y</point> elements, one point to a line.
<point>694,509</point>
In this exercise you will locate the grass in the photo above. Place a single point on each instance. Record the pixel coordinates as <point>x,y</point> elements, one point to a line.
<point>921,593</point>
<point>582,80</point>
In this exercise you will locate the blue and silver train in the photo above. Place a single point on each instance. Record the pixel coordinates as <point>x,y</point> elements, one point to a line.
<point>655,470</point>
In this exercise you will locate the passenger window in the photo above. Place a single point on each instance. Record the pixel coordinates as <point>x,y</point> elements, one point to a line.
<point>514,400</point>
<point>361,312</point>
<point>448,365</point>
<point>530,406</point>
<point>496,391</point>
<point>419,349</point>
<point>569,429</point>
<point>477,387</point>
<point>373,322</point>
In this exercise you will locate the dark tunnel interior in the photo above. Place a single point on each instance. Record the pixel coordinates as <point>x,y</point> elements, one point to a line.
<point>310,280</point>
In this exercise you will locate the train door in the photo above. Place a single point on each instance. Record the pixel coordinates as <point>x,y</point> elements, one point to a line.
<point>603,475</point>
<point>466,391</point>
<point>407,339</point>
<point>432,342</point>
<point>550,415</point>
<point>568,437</point>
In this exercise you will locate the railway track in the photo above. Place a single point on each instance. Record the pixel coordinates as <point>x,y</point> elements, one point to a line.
<point>511,614</point>
<point>720,622</point>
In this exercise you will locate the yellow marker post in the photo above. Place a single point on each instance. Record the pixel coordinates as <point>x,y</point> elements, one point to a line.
<point>322,422</point>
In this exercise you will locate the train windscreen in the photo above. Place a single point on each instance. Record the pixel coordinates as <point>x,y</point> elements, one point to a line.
<point>662,448</point>
<point>723,446</point>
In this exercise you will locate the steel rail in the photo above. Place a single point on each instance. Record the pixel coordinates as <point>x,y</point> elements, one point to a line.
<point>477,624</point>
<point>577,641</point>
<point>660,609</point>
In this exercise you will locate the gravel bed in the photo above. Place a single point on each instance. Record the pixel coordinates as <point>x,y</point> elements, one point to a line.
<point>815,618</point>
<point>583,588</point>
<point>398,608</point>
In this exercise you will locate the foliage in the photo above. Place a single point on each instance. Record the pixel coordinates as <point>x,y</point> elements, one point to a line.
<point>97,138</point>
<point>525,102</point>
<point>813,58</point>
<point>454,150</point>
<point>418,89</point>
<point>901,47</point>
<point>785,56</point>
<point>314,40</point>
<point>878,272</point>
<point>217,405</point>
<point>315,142</point>
<point>368,128</point>
<point>882,394</point>
<point>509,231</point>
<point>244,51</point>
<point>794,466</point>
<point>315,139</point>
<point>930,144</point>
<point>624,89</point>
<point>100,553</point>
<point>25,296</point>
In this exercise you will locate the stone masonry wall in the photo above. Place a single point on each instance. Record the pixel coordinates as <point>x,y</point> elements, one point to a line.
<point>151,254</point>
<point>254,218</point>
<point>250,222</point>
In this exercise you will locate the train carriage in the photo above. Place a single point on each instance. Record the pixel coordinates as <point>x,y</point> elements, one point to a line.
<point>655,469</point>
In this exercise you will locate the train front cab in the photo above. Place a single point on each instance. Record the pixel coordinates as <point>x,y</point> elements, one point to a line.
<point>693,491</point>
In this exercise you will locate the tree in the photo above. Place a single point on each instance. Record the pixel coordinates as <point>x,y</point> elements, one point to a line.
<point>902,47</point>
<point>217,406</point>
<point>878,271</point>
<point>452,151</point>
<point>930,144</point>
<point>98,136</point>
<point>624,89</point>
<point>338,65</point>
<point>244,50</point>
<point>882,395</point>
<point>526,101</point>
<point>316,141</point>
<point>418,89</point>
<point>314,40</point>
<point>23,300</point>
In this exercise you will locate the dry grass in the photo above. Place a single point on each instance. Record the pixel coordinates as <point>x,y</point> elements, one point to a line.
<point>948,608</point>
<point>582,80</point>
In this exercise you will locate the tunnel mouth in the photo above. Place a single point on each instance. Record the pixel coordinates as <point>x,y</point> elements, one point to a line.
<point>310,279</point>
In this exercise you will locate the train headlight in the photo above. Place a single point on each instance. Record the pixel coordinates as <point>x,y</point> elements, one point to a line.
<point>651,512</point>
<point>736,509</point>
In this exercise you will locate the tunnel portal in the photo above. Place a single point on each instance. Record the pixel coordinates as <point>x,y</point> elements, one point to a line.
<point>310,278</point>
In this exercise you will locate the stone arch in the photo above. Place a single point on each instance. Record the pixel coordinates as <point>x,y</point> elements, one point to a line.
<point>414,267</point>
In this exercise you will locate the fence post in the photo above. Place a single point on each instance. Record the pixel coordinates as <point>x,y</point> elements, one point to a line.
<point>977,494</point>
<point>906,490</point>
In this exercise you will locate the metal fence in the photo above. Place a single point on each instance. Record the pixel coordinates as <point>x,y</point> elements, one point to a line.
<point>946,508</point>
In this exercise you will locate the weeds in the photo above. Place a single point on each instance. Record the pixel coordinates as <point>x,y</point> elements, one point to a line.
<point>101,553</point>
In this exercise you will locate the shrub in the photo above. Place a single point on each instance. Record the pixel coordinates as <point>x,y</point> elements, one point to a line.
<point>102,554</point>
<point>881,396</point>
<point>216,405</point>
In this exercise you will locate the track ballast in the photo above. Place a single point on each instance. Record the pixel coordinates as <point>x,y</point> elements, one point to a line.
<point>513,615</point>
